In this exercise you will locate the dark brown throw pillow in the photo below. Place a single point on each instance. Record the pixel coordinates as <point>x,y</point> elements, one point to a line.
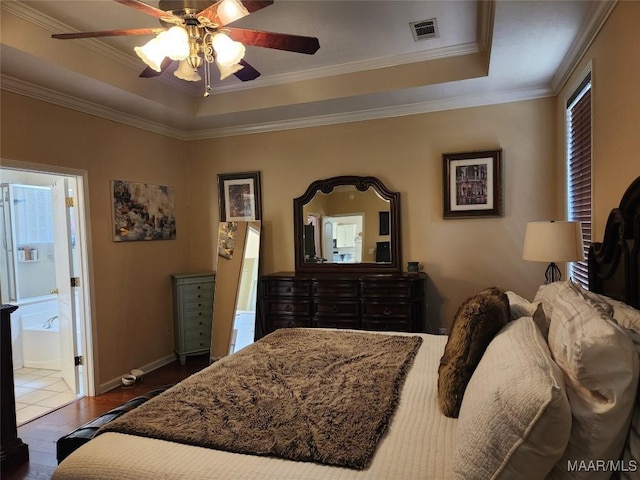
<point>477,321</point>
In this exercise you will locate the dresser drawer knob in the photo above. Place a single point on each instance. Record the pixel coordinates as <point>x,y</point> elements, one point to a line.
<point>289,308</point>
<point>386,311</point>
<point>288,290</point>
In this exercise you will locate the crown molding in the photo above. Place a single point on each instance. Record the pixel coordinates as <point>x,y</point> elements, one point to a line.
<point>52,25</point>
<point>598,15</point>
<point>44,94</point>
<point>375,113</point>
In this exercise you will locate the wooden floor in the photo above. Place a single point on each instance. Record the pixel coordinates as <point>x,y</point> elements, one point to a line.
<point>42,433</point>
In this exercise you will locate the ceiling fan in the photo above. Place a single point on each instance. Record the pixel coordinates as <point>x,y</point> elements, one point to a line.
<point>196,33</point>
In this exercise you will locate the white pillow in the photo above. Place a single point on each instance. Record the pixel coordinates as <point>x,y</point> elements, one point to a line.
<point>515,418</point>
<point>600,367</point>
<point>625,315</point>
<point>521,307</point>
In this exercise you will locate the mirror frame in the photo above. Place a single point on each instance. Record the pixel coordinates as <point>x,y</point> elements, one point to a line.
<point>362,184</point>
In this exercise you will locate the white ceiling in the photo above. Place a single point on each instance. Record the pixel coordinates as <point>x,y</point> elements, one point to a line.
<point>368,65</point>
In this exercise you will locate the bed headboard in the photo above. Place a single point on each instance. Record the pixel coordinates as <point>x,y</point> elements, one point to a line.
<point>614,264</point>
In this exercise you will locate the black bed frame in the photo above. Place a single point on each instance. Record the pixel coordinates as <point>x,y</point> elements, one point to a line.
<point>614,264</point>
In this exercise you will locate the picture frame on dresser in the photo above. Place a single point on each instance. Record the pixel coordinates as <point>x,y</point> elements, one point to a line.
<point>239,197</point>
<point>472,184</point>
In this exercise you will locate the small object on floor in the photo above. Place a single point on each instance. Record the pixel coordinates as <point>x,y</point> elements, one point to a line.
<point>128,381</point>
<point>139,374</point>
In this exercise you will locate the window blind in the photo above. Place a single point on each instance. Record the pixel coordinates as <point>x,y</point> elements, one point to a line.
<point>579,171</point>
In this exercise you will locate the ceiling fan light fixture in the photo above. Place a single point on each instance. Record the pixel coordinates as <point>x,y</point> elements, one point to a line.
<point>228,52</point>
<point>231,10</point>
<point>152,53</point>
<point>187,72</point>
<point>228,70</point>
<point>175,43</point>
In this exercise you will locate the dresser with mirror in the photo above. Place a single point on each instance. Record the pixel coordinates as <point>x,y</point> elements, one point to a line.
<point>348,263</point>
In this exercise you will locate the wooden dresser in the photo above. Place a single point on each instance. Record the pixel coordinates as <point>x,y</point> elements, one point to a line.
<point>192,313</point>
<point>389,302</point>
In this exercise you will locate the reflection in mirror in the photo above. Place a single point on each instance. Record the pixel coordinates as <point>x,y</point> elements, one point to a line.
<point>234,310</point>
<point>343,226</point>
<point>347,223</point>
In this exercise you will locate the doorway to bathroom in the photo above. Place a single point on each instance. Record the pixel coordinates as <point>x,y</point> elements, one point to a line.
<point>43,270</point>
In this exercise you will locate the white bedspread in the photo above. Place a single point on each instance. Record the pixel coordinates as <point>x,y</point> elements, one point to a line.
<point>419,444</point>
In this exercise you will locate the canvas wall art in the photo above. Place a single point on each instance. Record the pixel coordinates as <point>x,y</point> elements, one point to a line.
<point>142,211</point>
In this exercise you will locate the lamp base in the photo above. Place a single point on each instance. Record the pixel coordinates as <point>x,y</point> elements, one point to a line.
<point>552,274</point>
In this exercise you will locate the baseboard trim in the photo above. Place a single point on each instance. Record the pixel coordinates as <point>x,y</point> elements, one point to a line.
<point>149,367</point>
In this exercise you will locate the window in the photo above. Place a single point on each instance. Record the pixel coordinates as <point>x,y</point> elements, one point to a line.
<point>578,118</point>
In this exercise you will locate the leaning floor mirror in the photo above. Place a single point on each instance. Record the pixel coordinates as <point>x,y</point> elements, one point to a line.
<point>235,303</point>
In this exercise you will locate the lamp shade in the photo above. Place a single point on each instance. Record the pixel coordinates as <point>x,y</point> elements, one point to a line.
<point>187,72</point>
<point>553,242</point>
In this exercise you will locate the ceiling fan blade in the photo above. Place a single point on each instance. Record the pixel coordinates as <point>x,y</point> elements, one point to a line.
<point>148,9</point>
<point>108,33</point>
<point>247,73</point>
<point>150,72</point>
<point>279,41</point>
<point>211,12</point>
<point>255,5</point>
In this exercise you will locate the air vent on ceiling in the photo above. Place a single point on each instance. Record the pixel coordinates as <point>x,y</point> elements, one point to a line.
<point>424,29</point>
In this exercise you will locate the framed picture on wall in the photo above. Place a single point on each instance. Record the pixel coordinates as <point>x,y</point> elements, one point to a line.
<point>239,197</point>
<point>472,184</point>
<point>142,211</point>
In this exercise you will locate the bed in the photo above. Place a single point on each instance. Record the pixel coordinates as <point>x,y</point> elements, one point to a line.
<point>522,413</point>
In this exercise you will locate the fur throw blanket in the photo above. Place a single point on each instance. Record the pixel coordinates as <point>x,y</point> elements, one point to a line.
<point>299,394</point>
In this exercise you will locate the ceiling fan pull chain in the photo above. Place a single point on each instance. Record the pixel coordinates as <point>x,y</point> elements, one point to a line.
<point>208,52</point>
<point>207,79</point>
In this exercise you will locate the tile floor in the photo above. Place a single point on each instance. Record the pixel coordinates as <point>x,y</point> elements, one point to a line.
<point>39,391</point>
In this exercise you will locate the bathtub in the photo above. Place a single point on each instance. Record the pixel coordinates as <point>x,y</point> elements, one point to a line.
<point>41,345</point>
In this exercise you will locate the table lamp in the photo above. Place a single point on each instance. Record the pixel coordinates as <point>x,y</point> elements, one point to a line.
<point>553,242</point>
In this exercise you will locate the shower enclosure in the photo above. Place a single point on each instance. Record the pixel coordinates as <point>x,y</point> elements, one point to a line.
<point>27,260</point>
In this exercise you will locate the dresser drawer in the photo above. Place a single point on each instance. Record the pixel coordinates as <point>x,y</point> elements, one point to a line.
<point>197,296</point>
<point>387,324</point>
<point>287,288</point>
<point>336,308</point>
<point>387,309</point>
<point>192,335</point>
<point>196,323</point>
<point>335,289</point>
<point>288,306</point>
<point>386,289</point>
<point>288,322</point>
<point>197,344</point>
<point>328,322</point>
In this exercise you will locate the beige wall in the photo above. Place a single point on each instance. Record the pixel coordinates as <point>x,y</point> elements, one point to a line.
<point>132,284</point>
<point>616,111</point>
<point>460,256</point>
<point>132,281</point>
